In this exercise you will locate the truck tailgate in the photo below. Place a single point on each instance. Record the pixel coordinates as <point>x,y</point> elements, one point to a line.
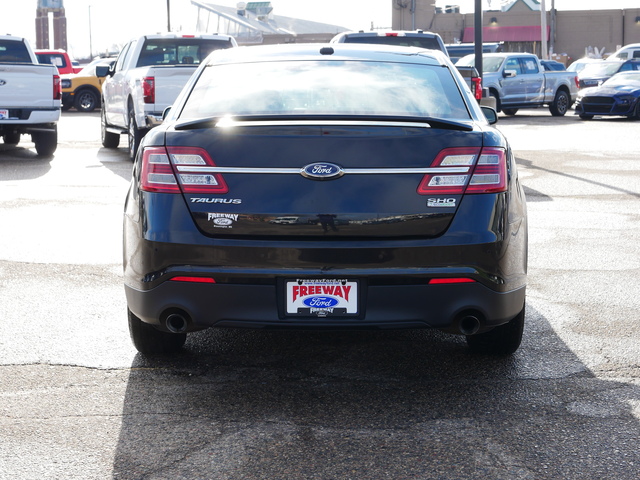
<point>169,81</point>
<point>27,85</point>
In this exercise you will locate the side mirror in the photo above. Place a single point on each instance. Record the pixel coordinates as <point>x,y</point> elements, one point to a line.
<point>102,71</point>
<point>509,73</point>
<point>490,114</point>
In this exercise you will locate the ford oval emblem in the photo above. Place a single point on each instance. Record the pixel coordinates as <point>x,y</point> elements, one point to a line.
<point>322,171</point>
<point>320,302</point>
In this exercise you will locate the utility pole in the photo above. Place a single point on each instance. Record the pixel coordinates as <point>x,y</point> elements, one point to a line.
<point>543,30</point>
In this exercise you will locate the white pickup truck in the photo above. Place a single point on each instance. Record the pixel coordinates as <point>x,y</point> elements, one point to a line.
<point>30,96</point>
<point>146,79</point>
<point>518,80</point>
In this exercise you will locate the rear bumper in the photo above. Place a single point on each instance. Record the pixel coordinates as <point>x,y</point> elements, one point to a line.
<point>381,306</point>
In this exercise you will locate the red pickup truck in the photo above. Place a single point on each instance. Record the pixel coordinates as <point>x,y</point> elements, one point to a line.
<point>60,59</point>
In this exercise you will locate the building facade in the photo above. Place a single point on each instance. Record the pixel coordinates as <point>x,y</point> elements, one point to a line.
<point>573,33</point>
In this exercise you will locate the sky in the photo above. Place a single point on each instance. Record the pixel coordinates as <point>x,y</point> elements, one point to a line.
<point>114,22</point>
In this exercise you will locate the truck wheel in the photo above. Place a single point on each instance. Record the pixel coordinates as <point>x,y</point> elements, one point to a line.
<point>45,142</point>
<point>12,138</point>
<point>497,97</point>
<point>86,101</point>
<point>502,340</point>
<point>135,136</point>
<point>509,111</point>
<point>560,104</point>
<point>585,117</point>
<point>109,139</point>
<point>148,340</point>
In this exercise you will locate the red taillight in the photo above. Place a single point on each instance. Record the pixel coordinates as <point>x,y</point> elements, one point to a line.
<point>157,174</point>
<point>483,171</point>
<point>391,34</point>
<point>176,169</point>
<point>577,80</point>
<point>447,181</point>
<point>476,82</point>
<point>149,89</point>
<point>449,281</point>
<point>193,279</point>
<point>57,88</point>
<point>490,174</point>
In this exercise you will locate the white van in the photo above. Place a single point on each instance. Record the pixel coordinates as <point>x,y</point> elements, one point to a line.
<point>628,51</point>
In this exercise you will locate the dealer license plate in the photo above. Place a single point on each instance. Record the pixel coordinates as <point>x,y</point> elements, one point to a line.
<point>322,297</point>
<point>4,113</point>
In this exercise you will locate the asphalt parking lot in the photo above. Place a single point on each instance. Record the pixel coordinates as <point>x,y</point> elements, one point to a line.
<point>77,401</point>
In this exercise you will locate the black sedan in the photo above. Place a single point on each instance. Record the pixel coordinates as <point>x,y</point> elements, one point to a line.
<point>617,96</point>
<point>407,204</point>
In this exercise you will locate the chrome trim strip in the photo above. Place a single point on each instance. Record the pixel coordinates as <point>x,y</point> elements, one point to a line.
<point>322,123</point>
<point>298,171</point>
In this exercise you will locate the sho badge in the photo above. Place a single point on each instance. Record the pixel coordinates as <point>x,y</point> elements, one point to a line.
<point>441,202</point>
<point>222,220</point>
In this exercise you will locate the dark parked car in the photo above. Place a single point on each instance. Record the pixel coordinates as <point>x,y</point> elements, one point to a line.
<point>420,218</point>
<point>617,96</point>
<point>593,74</point>
<point>553,65</point>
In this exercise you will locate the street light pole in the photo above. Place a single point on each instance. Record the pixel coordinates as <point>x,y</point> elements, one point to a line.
<point>90,41</point>
<point>168,15</point>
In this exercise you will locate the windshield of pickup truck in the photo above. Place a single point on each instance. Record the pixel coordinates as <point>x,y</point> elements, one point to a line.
<point>489,64</point>
<point>344,88</point>
<point>177,51</point>
<point>13,52</point>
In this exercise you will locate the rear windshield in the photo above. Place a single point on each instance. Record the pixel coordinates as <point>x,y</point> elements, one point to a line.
<point>489,64</point>
<point>13,52</point>
<point>56,59</point>
<point>604,68</point>
<point>400,40</point>
<point>176,51</point>
<point>326,88</point>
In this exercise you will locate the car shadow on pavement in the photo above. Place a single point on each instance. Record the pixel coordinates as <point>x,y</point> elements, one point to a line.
<point>19,162</point>
<point>371,405</point>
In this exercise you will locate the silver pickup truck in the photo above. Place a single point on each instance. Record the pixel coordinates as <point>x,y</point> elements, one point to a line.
<point>518,80</point>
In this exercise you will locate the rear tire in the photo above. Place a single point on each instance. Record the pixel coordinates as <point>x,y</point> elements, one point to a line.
<point>135,135</point>
<point>495,95</point>
<point>502,340</point>
<point>510,111</point>
<point>46,142</point>
<point>149,340</point>
<point>109,139</point>
<point>586,117</point>
<point>11,138</point>
<point>560,104</point>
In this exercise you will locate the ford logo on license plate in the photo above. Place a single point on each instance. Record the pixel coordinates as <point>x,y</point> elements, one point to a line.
<point>321,171</point>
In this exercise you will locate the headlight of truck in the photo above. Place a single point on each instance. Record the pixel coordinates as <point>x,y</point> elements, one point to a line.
<point>65,83</point>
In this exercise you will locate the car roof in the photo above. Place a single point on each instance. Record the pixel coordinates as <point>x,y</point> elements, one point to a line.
<point>333,51</point>
<point>384,33</point>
